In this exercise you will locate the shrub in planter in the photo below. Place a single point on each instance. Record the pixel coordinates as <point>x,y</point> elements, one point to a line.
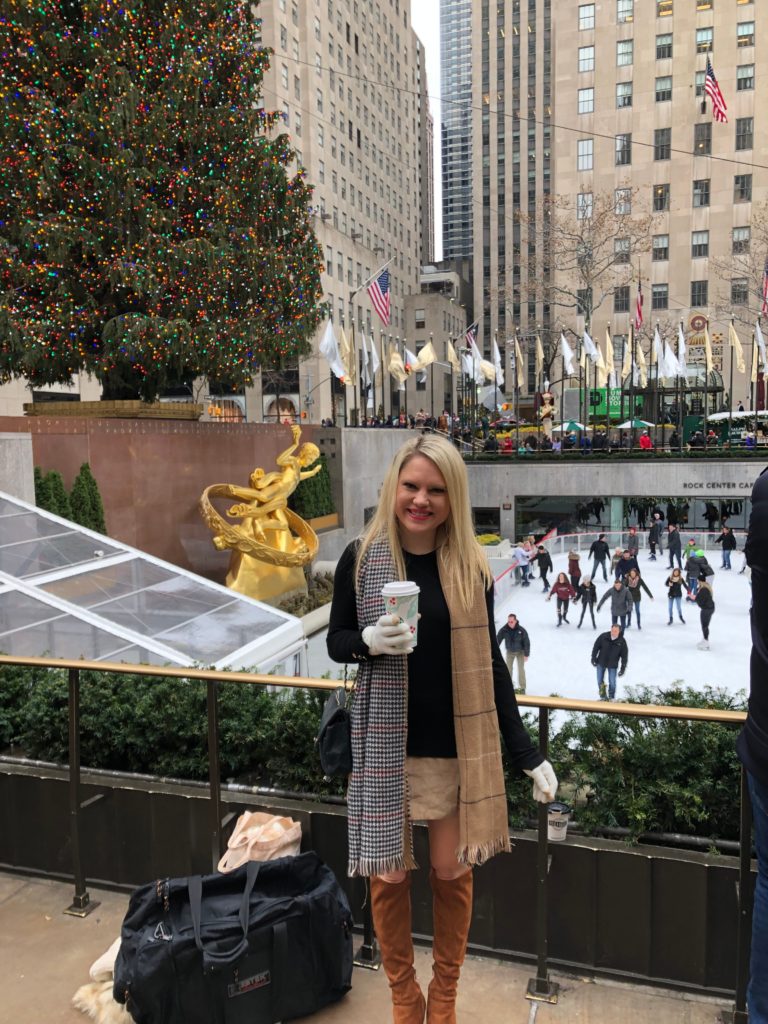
<point>312,498</point>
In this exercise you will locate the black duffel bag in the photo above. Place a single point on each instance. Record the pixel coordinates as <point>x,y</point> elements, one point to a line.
<point>264,943</point>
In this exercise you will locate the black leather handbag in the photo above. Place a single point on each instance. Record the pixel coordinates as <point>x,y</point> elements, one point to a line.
<point>334,737</point>
<point>264,943</point>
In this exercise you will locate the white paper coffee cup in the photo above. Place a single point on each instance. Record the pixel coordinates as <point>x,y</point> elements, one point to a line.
<point>401,598</point>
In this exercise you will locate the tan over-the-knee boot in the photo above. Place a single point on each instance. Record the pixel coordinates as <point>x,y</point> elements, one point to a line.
<point>391,908</point>
<point>452,913</point>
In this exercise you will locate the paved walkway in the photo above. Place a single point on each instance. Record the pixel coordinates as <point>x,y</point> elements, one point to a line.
<point>45,956</point>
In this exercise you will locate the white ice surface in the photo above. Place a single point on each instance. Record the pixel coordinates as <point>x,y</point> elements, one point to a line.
<point>659,654</point>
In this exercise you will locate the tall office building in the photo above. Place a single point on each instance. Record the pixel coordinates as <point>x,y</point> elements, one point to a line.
<point>634,124</point>
<point>456,63</point>
<point>512,168</point>
<point>426,168</point>
<point>349,78</point>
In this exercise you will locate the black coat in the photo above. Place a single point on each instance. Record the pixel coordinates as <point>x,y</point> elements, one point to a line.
<point>704,599</point>
<point>608,653</point>
<point>674,543</point>
<point>752,744</point>
<point>544,562</point>
<point>727,540</point>
<point>586,593</point>
<point>515,640</point>
<point>599,550</point>
<point>655,532</point>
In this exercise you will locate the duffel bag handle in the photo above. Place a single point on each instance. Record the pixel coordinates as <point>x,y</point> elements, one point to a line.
<point>221,958</point>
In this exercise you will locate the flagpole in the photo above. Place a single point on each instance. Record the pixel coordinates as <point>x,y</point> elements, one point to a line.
<point>496,379</point>
<point>562,390</point>
<point>432,389</point>
<point>753,383</point>
<point>706,386</point>
<point>730,387</point>
<point>632,389</point>
<point>621,381</point>
<point>657,403</point>
<point>680,392</point>
<point>540,386</point>
<point>373,276</point>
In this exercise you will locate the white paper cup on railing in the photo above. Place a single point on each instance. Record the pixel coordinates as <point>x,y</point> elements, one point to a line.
<point>401,598</point>
<point>558,816</point>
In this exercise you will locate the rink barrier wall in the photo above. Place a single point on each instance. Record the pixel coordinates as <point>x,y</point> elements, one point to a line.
<point>667,917</point>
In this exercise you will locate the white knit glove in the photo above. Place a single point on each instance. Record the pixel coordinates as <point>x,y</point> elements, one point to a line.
<point>388,636</point>
<point>544,782</point>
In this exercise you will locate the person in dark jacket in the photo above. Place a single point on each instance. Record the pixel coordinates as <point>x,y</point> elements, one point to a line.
<point>610,652</point>
<point>574,569</point>
<point>517,648</point>
<point>728,541</point>
<point>752,744</point>
<point>675,585</point>
<point>544,562</point>
<point>635,583</point>
<point>621,603</point>
<point>654,537</point>
<point>624,564</point>
<point>633,542</point>
<point>587,594</point>
<point>675,547</point>
<point>706,602</point>
<point>565,593</point>
<point>600,552</point>
<point>692,568</point>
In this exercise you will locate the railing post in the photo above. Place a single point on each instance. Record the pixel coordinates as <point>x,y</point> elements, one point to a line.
<point>214,771</point>
<point>81,903</point>
<point>540,988</point>
<point>367,954</point>
<point>739,1013</point>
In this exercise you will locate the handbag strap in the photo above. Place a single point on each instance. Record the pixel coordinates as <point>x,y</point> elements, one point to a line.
<point>222,957</point>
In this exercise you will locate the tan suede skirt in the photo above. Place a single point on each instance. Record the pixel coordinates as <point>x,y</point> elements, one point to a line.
<point>433,787</point>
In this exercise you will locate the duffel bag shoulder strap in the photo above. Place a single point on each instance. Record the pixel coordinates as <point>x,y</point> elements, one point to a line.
<point>220,958</point>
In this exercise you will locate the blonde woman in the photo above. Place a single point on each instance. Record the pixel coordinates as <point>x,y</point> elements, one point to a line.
<point>426,718</point>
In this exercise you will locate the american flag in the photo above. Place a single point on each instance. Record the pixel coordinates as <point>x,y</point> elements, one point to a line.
<point>378,290</point>
<point>471,335</point>
<point>639,307</point>
<point>764,307</point>
<point>712,89</point>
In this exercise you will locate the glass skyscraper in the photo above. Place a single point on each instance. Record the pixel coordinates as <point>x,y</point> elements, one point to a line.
<point>456,131</point>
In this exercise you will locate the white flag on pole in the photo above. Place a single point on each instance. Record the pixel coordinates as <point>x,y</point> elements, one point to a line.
<point>567,353</point>
<point>669,366</point>
<point>590,348</point>
<point>682,351</point>
<point>366,376</point>
<point>329,347</point>
<point>498,364</point>
<point>761,345</point>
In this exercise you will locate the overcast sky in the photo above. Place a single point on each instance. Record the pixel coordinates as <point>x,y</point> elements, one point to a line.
<point>425,18</point>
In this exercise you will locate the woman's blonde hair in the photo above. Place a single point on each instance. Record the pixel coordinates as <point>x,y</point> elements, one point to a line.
<point>461,556</point>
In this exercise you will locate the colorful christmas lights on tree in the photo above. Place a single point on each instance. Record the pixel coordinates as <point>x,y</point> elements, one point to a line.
<point>150,230</point>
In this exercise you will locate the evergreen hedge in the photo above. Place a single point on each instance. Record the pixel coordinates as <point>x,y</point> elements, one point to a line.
<point>83,506</point>
<point>645,775</point>
<point>313,498</point>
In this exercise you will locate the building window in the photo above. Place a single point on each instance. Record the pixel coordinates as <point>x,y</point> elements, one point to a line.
<point>660,249</point>
<point>742,188</point>
<point>739,291</point>
<point>624,52</point>
<point>660,198</point>
<point>319,100</point>
<point>625,11</point>
<point>419,318</point>
<point>745,33</point>
<point>585,154</point>
<point>621,299</point>
<point>704,5</point>
<point>664,46</point>
<point>621,251</point>
<point>740,238</point>
<point>623,94</point>
<point>699,80</point>
<point>586,101</point>
<point>699,244</point>
<point>744,132</point>
<point>702,139</point>
<point>699,293</point>
<point>321,171</point>
<point>583,205</point>
<point>664,88</point>
<point>663,8</point>
<point>586,16</point>
<point>660,296</point>
<point>586,58</point>
<point>701,192</point>
<point>705,38</point>
<point>624,149</point>
<point>745,77</point>
<point>284,76</point>
<point>662,143</point>
<point>622,198</point>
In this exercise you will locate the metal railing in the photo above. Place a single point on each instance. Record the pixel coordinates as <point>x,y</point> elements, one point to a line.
<point>540,987</point>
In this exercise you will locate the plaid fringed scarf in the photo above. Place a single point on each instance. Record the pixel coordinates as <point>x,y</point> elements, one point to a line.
<point>380,836</point>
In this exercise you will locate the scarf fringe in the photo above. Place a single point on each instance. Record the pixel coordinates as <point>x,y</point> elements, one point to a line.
<point>377,866</point>
<point>479,854</point>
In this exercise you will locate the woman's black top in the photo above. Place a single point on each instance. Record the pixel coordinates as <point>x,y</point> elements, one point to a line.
<point>430,693</point>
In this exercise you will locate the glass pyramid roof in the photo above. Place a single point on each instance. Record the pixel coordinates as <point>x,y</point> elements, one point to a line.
<point>66,592</point>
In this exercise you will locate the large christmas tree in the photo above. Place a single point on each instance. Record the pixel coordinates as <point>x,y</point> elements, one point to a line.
<point>150,230</point>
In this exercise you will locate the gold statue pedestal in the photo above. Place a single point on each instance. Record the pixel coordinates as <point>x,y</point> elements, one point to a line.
<point>271,544</point>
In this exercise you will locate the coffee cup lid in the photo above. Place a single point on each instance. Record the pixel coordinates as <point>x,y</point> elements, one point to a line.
<point>400,588</point>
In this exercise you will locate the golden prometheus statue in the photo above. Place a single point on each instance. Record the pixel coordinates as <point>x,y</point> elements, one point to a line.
<point>271,544</point>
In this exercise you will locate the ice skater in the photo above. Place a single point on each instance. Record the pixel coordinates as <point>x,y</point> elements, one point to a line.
<point>635,584</point>
<point>609,653</point>
<point>586,592</point>
<point>706,602</point>
<point>565,594</point>
<point>624,564</point>
<point>728,541</point>
<point>675,585</point>
<point>517,648</point>
<point>600,552</point>
<point>674,546</point>
<point>574,569</point>
<point>544,562</point>
<point>621,602</point>
<point>654,537</point>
